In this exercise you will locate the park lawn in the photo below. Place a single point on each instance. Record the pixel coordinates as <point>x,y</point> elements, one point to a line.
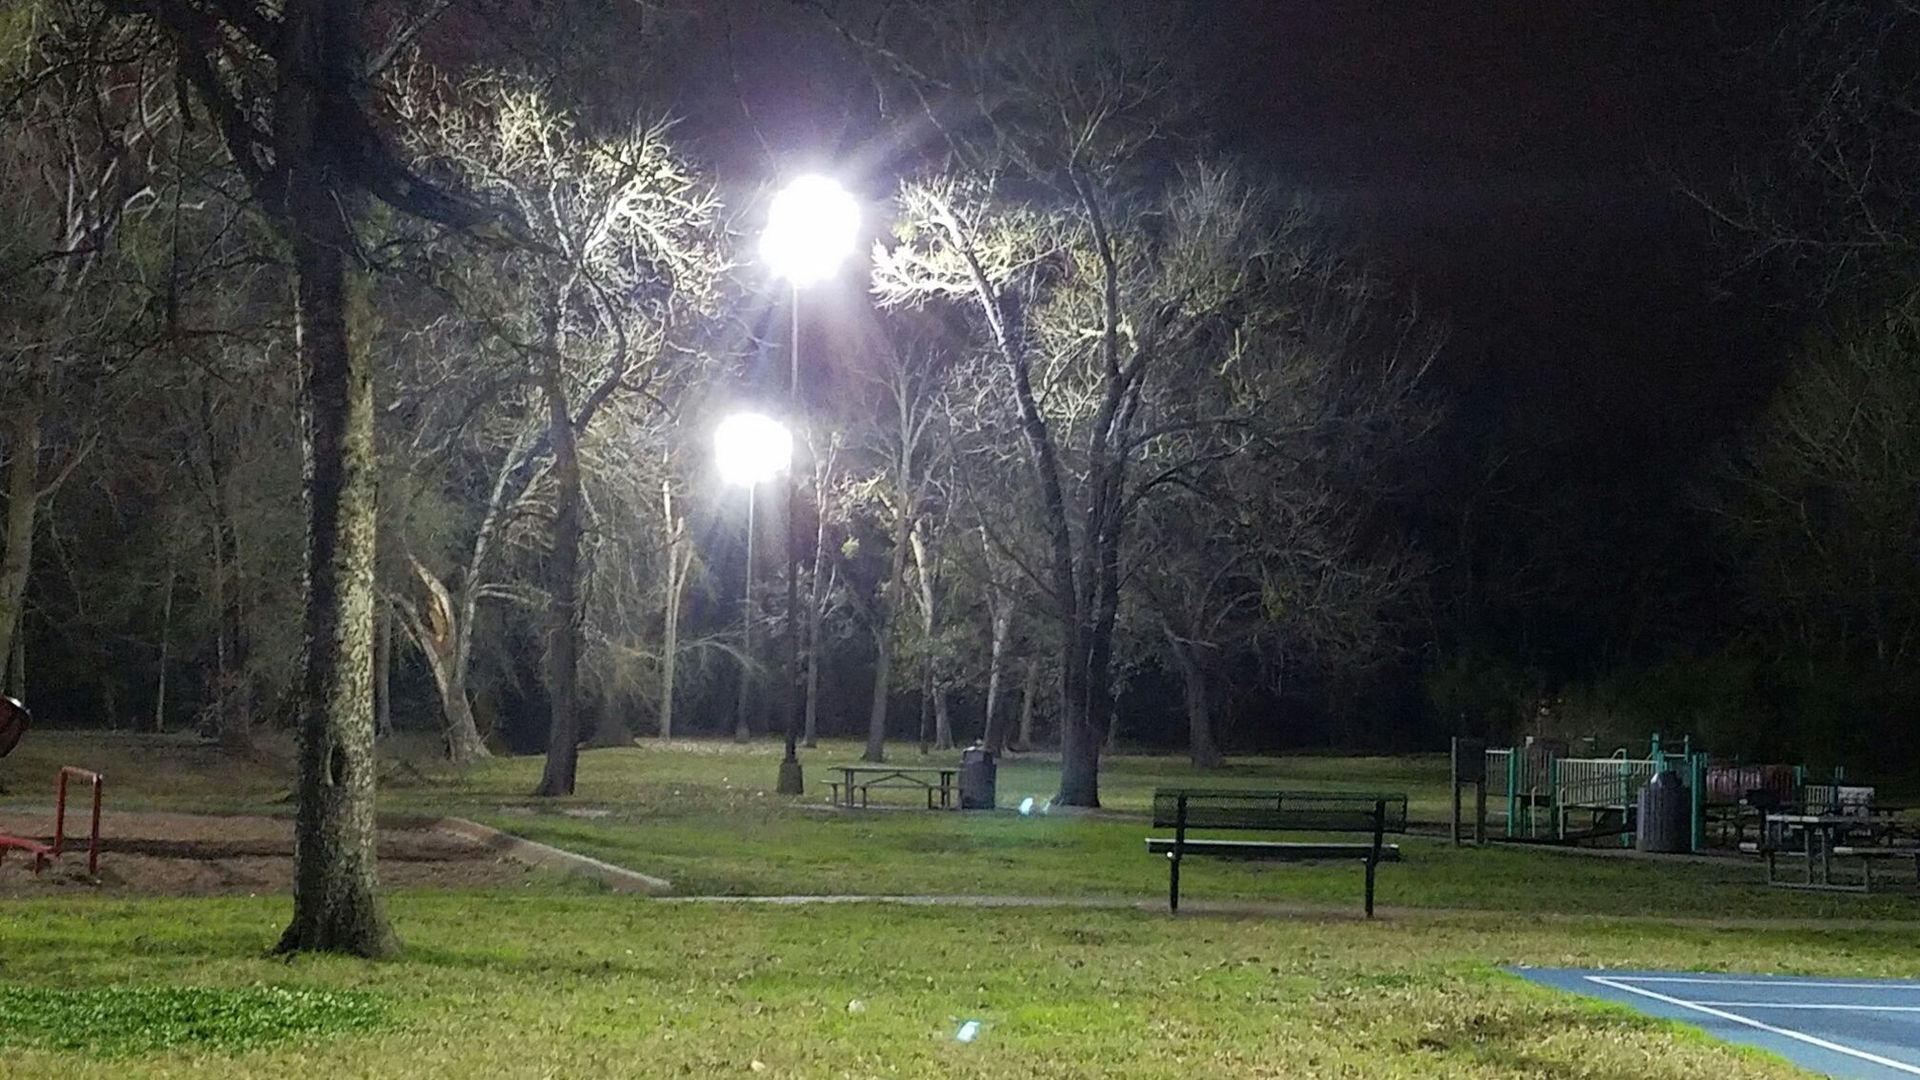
<point>546,983</point>
<point>704,816</point>
<point>184,773</point>
<point>1005,855</point>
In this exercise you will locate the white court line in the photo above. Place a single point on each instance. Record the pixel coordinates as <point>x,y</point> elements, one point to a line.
<point>1802,1036</point>
<point>1786,981</point>
<point>1793,1005</point>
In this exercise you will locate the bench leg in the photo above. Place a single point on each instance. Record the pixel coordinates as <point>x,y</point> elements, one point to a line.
<point>1173,883</point>
<point>1370,866</point>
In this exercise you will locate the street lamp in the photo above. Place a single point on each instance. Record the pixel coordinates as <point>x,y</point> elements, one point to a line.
<point>813,225</point>
<point>749,449</point>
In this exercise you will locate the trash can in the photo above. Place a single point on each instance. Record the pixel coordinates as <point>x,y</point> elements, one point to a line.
<point>1666,816</point>
<point>976,778</point>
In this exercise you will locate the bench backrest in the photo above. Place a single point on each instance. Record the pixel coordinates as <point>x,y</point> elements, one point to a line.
<point>1279,811</point>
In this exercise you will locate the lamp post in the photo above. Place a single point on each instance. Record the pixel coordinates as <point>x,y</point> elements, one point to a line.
<point>749,448</point>
<point>812,226</point>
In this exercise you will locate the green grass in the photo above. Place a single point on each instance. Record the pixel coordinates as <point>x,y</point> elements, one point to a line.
<point>543,981</point>
<point>704,816</point>
<point>121,1021</point>
<point>554,985</point>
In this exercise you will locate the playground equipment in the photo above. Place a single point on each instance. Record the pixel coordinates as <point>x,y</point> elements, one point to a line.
<point>14,721</point>
<point>1542,793</point>
<point>42,852</point>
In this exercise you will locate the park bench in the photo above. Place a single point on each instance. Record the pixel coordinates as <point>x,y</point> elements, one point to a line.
<point>1185,809</point>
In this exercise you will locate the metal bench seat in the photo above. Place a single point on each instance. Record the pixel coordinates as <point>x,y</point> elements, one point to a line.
<point>1276,850</point>
<point>1185,809</point>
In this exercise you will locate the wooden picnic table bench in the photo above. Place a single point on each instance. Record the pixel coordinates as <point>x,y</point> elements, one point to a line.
<point>1183,809</point>
<point>938,781</point>
<point>1818,840</point>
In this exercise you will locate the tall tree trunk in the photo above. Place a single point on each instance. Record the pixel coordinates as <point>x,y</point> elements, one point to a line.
<point>1026,705</point>
<point>383,673</point>
<point>816,619</point>
<point>444,637</point>
<point>17,663</point>
<point>993,730</point>
<point>927,695</point>
<point>670,651</point>
<point>1079,741</point>
<point>680,555</point>
<point>1201,746</point>
<point>670,637</point>
<point>234,709</point>
<point>563,596</point>
<point>166,648</point>
<point>335,908</point>
<point>23,498</point>
<point>883,640</point>
<point>822,586</point>
<point>942,734</point>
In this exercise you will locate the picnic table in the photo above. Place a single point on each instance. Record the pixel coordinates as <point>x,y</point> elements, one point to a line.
<point>1819,839</point>
<point>936,780</point>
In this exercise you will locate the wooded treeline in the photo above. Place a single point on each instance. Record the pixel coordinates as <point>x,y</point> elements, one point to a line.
<point>1106,436</point>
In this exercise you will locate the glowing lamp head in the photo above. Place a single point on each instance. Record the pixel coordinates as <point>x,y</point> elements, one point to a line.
<point>749,448</point>
<point>812,226</point>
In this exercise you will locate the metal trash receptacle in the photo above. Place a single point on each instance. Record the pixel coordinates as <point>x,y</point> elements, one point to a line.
<point>977,771</point>
<point>1666,816</point>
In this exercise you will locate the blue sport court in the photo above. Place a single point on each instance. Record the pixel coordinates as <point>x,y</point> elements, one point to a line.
<point>1857,1029</point>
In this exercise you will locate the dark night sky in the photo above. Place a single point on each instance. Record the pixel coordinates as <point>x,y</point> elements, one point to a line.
<point>1516,162</point>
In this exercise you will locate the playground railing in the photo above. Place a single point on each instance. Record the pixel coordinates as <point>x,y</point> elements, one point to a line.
<point>1601,783</point>
<point>85,776</point>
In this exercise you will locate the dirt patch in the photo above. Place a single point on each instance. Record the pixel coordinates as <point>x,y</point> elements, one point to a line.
<point>203,855</point>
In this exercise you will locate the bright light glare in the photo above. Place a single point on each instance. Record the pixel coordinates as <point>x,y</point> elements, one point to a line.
<point>751,447</point>
<point>1026,806</point>
<point>812,227</point>
<point>968,1032</point>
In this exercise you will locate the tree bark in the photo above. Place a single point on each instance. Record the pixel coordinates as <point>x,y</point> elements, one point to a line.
<point>993,732</point>
<point>822,586</point>
<point>942,734</point>
<point>166,647</point>
<point>233,707</point>
<point>17,663</point>
<point>383,673</point>
<point>335,908</point>
<point>927,694</point>
<point>1193,681</point>
<point>23,497</point>
<point>679,565</point>
<point>1026,705</point>
<point>563,595</point>
<point>816,620</point>
<point>443,637</point>
<point>883,640</point>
